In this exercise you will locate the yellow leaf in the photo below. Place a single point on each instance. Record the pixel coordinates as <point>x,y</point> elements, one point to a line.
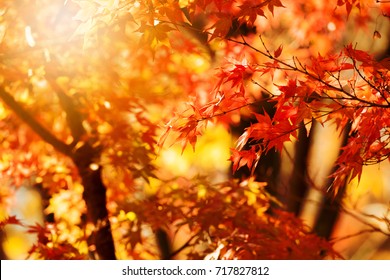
<point>131,216</point>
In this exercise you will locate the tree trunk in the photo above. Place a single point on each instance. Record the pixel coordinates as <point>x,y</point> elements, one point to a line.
<point>332,203</point>
<point>298,181</point>
<point>3,255</point>
<point>100,242</point>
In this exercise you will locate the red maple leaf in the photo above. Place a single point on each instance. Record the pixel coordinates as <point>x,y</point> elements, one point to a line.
<point>11,220</point>
<point>249,158</point>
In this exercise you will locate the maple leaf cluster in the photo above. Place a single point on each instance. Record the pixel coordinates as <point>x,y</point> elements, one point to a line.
<point>50,247</point>
<point>349,87</point>
<point>226,221</point>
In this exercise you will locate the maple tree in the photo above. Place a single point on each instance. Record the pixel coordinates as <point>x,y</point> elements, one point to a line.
<point>92,91</point>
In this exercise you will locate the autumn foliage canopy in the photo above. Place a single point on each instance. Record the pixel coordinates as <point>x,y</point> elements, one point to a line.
<point>92,92</point>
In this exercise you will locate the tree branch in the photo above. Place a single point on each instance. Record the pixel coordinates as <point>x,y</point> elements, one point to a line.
<point>73,116</point>
<point>38,128</point>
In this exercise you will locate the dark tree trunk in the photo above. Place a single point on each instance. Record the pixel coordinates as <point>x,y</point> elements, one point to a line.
<point>298,182</point>
<point>94,190</point>
<point>332,203</point>
<point>95,198</point>
<point>329,214</point>
<point>164,244</point>
<point>3,255</point>
<point>100,242</point>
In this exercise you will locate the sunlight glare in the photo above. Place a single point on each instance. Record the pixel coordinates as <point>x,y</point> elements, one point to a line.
<point>29,37</point>
<point>331,26</point>
<point>94,166</point>
<point>174,161</point>
<point>136,4</point>
<point>107,105</point>
<point>3,112</point>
